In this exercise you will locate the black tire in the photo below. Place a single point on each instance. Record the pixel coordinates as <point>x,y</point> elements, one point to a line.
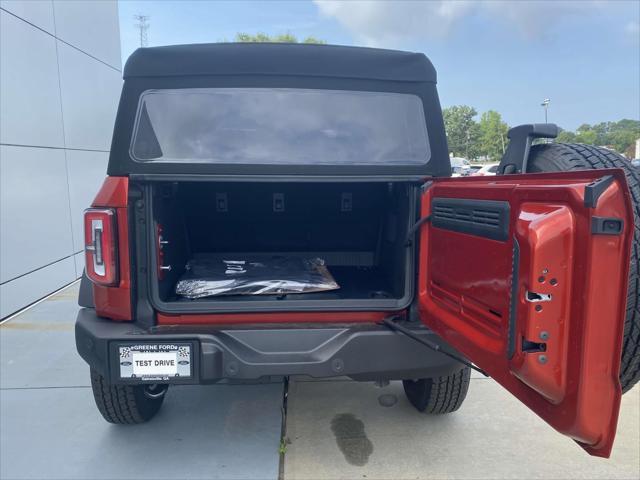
<point>126,404</point>
<point>554,157</point>
<point>438,395</point>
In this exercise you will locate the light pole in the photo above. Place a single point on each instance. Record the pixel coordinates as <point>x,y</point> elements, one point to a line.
<point>545,104</point>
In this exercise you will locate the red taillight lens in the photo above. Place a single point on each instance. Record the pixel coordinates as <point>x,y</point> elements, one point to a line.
<point>101,245</point>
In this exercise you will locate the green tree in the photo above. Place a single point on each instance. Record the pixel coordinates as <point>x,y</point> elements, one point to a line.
<point>462,130</point>
<point>281,38</point>
<point>623,134</point>
<point>493,135</point>
<point>565,136</point>
<point>586,134</point>
<point>620,135</point>
<point>312,39</point>
<point>474,149</point>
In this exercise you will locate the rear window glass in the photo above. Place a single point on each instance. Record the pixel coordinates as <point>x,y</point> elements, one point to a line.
<point>280,126</point>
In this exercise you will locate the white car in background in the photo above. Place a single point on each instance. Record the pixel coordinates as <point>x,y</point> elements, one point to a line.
<point>459,167</point>
<point>486,170</point>
<point>474,168</point>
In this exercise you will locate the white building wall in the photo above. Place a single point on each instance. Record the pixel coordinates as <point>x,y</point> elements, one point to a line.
<point>60,80</point>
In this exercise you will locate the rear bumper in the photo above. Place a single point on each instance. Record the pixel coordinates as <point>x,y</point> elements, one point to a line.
<point>362,352</point>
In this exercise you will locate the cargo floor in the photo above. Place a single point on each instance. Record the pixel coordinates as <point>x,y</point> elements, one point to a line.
<point>356,283</point>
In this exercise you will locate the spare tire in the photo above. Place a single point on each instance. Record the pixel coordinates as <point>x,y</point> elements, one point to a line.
<point>555,157</point>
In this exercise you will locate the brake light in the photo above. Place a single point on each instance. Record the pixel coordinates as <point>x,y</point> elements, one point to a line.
<point>101,245</point>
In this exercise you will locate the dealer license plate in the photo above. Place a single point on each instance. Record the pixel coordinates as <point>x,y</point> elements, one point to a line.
<point>155,362</point>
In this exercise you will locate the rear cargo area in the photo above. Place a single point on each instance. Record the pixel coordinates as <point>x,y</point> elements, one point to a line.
<point>356,230</point>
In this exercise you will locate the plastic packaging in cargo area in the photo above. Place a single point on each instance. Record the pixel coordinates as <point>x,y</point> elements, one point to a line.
<point>208,276</point>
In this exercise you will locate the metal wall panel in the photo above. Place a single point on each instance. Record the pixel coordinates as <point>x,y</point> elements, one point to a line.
<point>34,206</point>
<point>25,290</point>
<point>37,12</point>
<point>77,23</point>
<point>30,111</point>
<point>89,100</point>
<point>86,174</point>
<point>78,259</point>
<point>58,98</point>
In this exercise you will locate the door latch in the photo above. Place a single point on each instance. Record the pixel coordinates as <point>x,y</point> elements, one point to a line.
<point>535,297</point>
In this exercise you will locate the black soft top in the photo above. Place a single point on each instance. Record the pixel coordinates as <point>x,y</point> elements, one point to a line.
<point>280,59</point>
<point>278,65</point>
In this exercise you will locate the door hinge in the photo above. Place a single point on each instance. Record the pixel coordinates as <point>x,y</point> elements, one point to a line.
<point>414,228</point>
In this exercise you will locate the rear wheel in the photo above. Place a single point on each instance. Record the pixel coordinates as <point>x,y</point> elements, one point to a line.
<point>126,404</point>
<point>555,157</point>
<point>438,395</point>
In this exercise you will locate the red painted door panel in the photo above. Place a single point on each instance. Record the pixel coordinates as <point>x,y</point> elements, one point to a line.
<point>526,275</point>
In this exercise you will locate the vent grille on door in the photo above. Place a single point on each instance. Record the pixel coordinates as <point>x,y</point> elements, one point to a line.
<point>483,218</point>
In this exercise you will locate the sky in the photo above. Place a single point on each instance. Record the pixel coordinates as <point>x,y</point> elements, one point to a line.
<point>490,54</point>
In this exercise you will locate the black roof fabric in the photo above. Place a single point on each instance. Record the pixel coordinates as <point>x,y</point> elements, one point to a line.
<point>280,59</point>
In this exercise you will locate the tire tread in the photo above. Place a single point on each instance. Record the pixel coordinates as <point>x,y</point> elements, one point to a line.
<point>122,404</point>
<point>576,156</point>
<point>439,395</point>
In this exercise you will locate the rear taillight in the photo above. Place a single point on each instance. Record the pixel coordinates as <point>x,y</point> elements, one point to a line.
<point>101,245</point>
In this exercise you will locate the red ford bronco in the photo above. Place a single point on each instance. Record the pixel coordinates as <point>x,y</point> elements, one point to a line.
<point>281,209</point>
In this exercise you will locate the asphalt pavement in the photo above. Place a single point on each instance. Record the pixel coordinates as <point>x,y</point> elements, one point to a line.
<point>50,427</point>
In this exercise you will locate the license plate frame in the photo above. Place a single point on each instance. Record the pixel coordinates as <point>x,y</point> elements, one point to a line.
<point>138,362</point>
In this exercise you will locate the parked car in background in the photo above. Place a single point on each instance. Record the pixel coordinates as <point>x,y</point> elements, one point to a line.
<point>460,167</point>
<point>486,170</point>
<point>474,168</point>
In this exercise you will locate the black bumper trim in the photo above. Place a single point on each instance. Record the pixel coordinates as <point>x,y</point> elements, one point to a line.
<point>362,352</point>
